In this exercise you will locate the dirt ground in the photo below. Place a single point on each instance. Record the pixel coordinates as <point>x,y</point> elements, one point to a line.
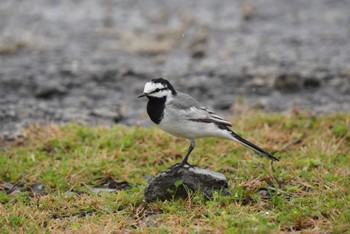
<point>86,61</point>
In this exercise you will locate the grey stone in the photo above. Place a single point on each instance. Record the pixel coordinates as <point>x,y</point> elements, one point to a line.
<point>224,102</point>
<point>218,48</point>
<point>173,184</point>
<point>52,89</point>
<point>257,86</point>
<point>264,194</point>
<point>38,189</point>
<point>311,83</point>
<point>103,190</point>
<point>10,188</point>
<point>290,83</point>
<point>104,113</point>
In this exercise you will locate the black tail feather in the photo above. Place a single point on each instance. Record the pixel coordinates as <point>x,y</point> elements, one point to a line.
<point>250,145</point>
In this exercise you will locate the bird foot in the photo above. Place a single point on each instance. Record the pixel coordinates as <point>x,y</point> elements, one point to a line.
<point>176,167</point>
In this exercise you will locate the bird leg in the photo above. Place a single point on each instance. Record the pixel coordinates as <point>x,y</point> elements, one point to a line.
<point>184,162</point>
<point>190,148</point>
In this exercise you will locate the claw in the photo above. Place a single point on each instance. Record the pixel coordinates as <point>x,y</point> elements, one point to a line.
<point>176,167</point>
<point>184,164</point>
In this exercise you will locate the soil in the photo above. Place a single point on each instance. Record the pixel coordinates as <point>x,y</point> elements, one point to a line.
<point>86,61</point>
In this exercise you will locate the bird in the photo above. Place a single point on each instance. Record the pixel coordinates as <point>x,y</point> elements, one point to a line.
<point>182,116</point>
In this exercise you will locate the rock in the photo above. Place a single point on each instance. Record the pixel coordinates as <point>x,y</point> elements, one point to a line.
<point>169,184</point>
<point>10,188</point>
<point>287,83</point>
<point>104,113</point>
<point>38,189</point>
<point>224,102</point>
<point>257,86</point>
<point>247,10</point>
<point>70,194</point>
<point>214,49</point>
<point>103,190</point>
<point>50,90</point>
<point>311,83</point>
<point>264,194</point>
<point>198,52</point>
<point>111,185</point>
<point>10,135</point>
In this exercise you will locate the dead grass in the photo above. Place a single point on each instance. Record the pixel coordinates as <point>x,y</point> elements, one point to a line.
<point>307,191</point>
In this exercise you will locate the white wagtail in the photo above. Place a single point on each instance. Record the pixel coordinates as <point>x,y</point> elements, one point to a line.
<point>181,115</point>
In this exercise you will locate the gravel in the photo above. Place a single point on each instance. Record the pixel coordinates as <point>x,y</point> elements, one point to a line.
<point>86,61</point>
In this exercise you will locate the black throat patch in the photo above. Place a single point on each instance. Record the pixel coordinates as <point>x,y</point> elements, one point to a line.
<point>155,108</point>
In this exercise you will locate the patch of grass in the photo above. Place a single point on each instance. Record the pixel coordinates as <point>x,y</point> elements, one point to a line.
<point>308,190</point>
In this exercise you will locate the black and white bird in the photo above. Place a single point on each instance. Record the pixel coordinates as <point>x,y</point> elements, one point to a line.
<point>182,116</point>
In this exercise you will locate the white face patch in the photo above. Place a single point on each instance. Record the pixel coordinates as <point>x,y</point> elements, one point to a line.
<point>150,87</point>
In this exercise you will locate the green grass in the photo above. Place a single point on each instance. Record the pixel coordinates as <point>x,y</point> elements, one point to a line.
<point>312,179</point>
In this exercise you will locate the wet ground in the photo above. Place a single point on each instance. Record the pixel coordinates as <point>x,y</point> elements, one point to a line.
<point>86,61</point>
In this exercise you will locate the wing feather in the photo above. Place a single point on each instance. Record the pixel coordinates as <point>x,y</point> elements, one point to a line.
<point>194,111</point>
<point>204,115</point>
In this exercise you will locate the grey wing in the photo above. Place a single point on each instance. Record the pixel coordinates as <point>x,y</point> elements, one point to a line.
<point>202,114</point>
<point>184,101</point>
<point>194,111</point>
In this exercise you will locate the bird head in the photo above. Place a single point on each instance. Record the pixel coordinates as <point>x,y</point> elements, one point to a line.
<point>158,88</point>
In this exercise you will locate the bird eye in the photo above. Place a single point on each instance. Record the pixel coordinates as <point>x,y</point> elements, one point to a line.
<point>156,90</point>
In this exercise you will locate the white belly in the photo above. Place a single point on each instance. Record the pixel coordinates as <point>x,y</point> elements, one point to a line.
<point>179,126</point>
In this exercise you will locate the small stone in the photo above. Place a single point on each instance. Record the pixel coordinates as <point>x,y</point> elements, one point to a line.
<point>111,185</point>
<point>50,90</point>
<point>10,188</point>
<point>257,86</point>
<point>336,82</point>
<point>173,185</point>
<point>103,113</point>
<point>224,102</point>
<point>38,189</point>
<point>70,194</point>
<point>264,194</point>
<point>288,83</point>
<point>311,83</point>
<point>103,190</point>
<point>198,52</point>
<point>118,185</point>
<point>11,135</point>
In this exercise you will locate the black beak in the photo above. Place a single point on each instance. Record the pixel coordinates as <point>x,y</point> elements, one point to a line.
<point>142,95</point>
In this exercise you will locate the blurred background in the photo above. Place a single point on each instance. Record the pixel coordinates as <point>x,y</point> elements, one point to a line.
<point>86,61</point>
